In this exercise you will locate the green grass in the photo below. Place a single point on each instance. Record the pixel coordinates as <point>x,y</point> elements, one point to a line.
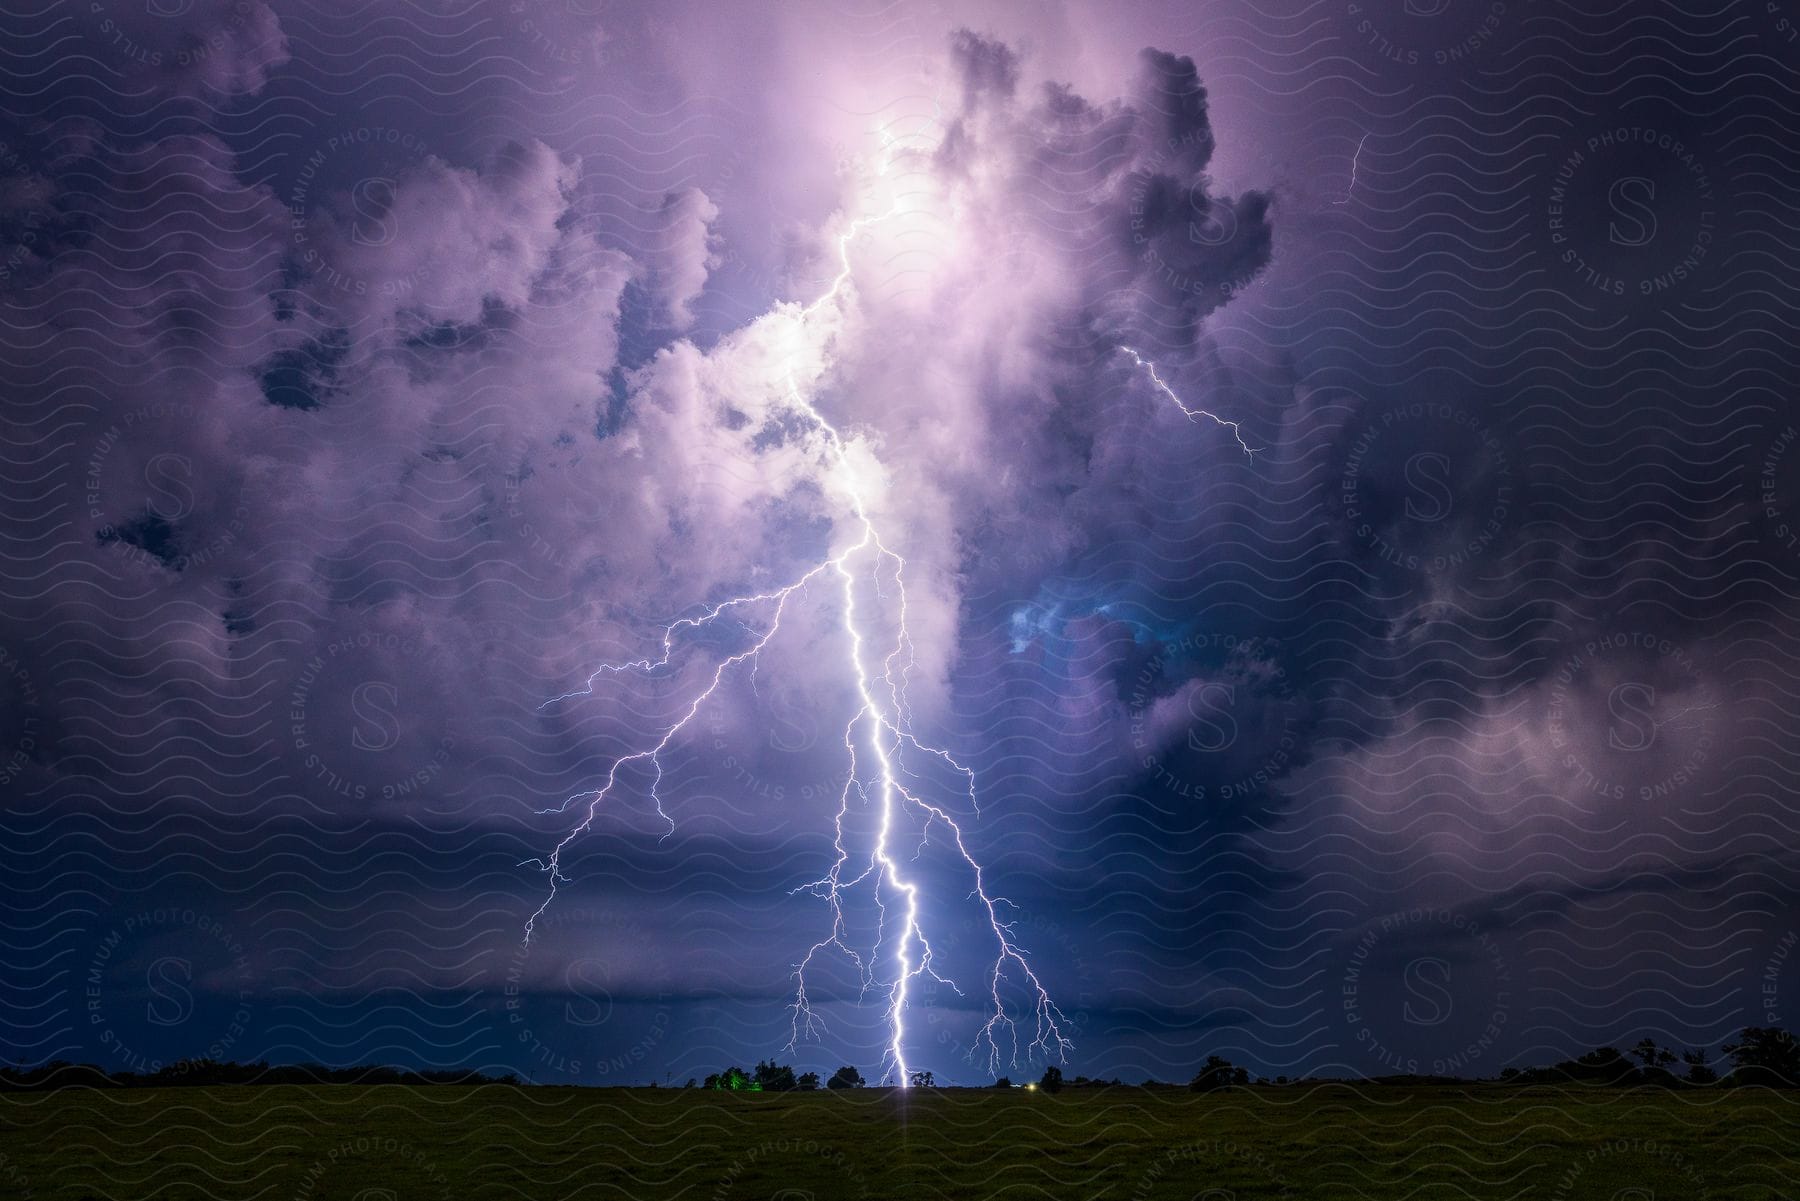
<point>348,1143</point>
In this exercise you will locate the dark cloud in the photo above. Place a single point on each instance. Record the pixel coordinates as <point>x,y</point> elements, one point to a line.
<point>211,50</point>
<point>988,69</point>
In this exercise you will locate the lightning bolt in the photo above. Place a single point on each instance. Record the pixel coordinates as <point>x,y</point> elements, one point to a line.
<point>877,740</point>
<point>1354,159</point>
<point>1192,414</point>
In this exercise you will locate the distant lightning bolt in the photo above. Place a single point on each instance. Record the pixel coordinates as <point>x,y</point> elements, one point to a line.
<point>1156,379</point>
<point>884,721</point>
<point>1354,159</point>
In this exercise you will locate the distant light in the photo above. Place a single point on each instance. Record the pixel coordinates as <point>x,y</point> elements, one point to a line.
<point>1031,1088</point>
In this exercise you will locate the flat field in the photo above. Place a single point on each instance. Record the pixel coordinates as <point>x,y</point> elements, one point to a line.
<point>400,1143</point>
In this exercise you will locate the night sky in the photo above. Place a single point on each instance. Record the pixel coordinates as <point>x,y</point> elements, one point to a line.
<point>399,394</point>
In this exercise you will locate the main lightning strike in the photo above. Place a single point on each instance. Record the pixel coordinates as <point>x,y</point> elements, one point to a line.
<point>884,718</point>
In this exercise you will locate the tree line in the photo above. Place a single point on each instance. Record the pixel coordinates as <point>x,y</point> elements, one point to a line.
<point>1761,1056</point>
<point>1764,1056</point>
<point>60,1073</point>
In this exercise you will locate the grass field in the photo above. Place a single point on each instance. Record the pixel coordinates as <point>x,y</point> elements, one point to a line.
<point>350,1143</point>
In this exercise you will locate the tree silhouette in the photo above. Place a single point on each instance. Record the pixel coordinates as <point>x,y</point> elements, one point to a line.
<point>1052,1081</point>
<point>1653,1057</point>
<point>1218,1072</point>
<point>1603,1064</point>
<point>808,1081</point>
<point>923,1080</point>
<point>1697,1070</point>
<point>775,1077</point>
<point>1765,1056</point>
<point>845,1077</point>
